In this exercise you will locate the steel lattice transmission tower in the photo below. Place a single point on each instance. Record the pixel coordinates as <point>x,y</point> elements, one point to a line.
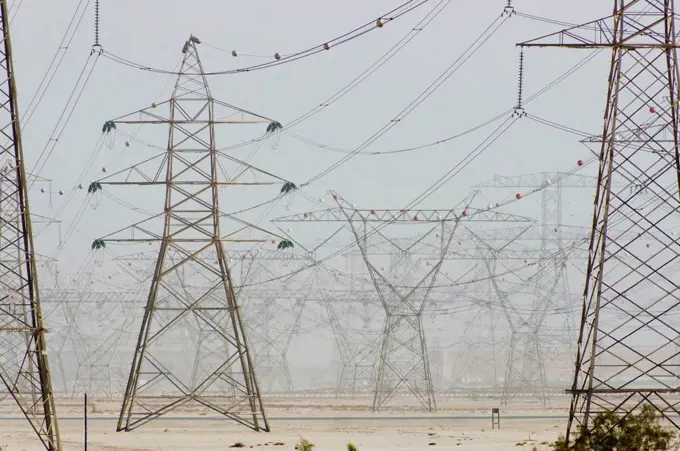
<point>526,365</point>
<point>627,353</point>
<point>24,368</point>
<point>403,289</point>
<point>192,279</point>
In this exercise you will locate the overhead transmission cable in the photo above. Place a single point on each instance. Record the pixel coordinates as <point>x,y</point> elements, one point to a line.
<point>532,97</point>
<point>431,89</point>
<point>325,172</point>
<point>540,92</point>
<point>66,114</point>
<point>380,22</point>
<point>57,60</point>
<point>435,12</point>
<point>387,56</point>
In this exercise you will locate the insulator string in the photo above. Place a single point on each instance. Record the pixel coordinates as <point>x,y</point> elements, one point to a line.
<point>519,109</point>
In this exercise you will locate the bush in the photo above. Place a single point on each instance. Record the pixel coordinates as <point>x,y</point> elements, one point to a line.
<point>609,432</point>
<point>351,447</point>
<point>304,445</point>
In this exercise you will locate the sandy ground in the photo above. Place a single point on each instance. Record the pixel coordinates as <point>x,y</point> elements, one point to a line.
<point>330,424</point>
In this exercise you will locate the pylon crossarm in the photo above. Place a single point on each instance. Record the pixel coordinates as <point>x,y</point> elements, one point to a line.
<point>141,233</point>
<point>195,183</point>
<point>601,34</point>
<point>403,216</point>
<point>165,121</point>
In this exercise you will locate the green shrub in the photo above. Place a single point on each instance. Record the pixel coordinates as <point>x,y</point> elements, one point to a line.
<point>351,447</point>
<point>610,432</point>
<point>304,445</point>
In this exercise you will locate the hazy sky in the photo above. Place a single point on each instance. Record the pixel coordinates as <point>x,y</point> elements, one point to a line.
<point>152,33</point>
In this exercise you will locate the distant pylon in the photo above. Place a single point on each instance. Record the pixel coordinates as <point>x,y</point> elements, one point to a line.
<point>529,353</point>
<point>192,280</point>
<point>24,368</point>
<point>627,354</point>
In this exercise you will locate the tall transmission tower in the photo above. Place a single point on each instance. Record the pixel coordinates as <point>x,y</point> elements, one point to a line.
<point>186,285</point>
<point>24,367</point>
<point>627,353</point>
<point>403,361</point>
<point>525,368</point>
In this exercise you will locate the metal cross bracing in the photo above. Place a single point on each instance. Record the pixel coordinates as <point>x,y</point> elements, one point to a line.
<point>266,313</point>
<point>274,314</point>
<point>525,367</point>
<point>102,330</point>
<point>392,216</point>
<point>468,310</point>
<point>186,287</point>
<point>403,359</point>
<point>24,368</point>
<point>92,338</point>
<point>352,314</point>
<point>553,283</point>
<point>420,382</point>
<point>627,346</point>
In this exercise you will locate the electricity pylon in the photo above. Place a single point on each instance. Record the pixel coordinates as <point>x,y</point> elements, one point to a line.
<point>187,285</point>
<point>526,364</point>
<point>627,354</point>
<point>24,368</point>
<point>403,290</point>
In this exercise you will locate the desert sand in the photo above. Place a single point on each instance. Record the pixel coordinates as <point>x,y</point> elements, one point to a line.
<point>461,424</point>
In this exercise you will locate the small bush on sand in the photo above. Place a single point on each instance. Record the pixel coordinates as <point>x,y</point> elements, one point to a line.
<point>608,432</point>
<point>304,445</point>
<point>351,447</point>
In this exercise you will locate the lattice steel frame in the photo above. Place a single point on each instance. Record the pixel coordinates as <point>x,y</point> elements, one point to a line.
<point>191,234</point>
<point>627,346</point>
<point>22,332</point>
<point>404,311</point>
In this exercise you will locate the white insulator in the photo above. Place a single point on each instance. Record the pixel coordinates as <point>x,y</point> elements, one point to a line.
<point>490,206</point>
<point>277,56</point>
<point>379,23</point>
<point>234,53</point>
<point>42,190</point>
<point>354,205</point>
<point>327,46</point>
<point>127,143</point>
<point>61,193</point>
<point>153,105</point>
<point>104,169</point>
<point>548,182</point>
<point>290,230</point>
<point>80,186</point>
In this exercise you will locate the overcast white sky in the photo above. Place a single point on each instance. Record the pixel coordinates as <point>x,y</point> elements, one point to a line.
<point>152,32</point>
